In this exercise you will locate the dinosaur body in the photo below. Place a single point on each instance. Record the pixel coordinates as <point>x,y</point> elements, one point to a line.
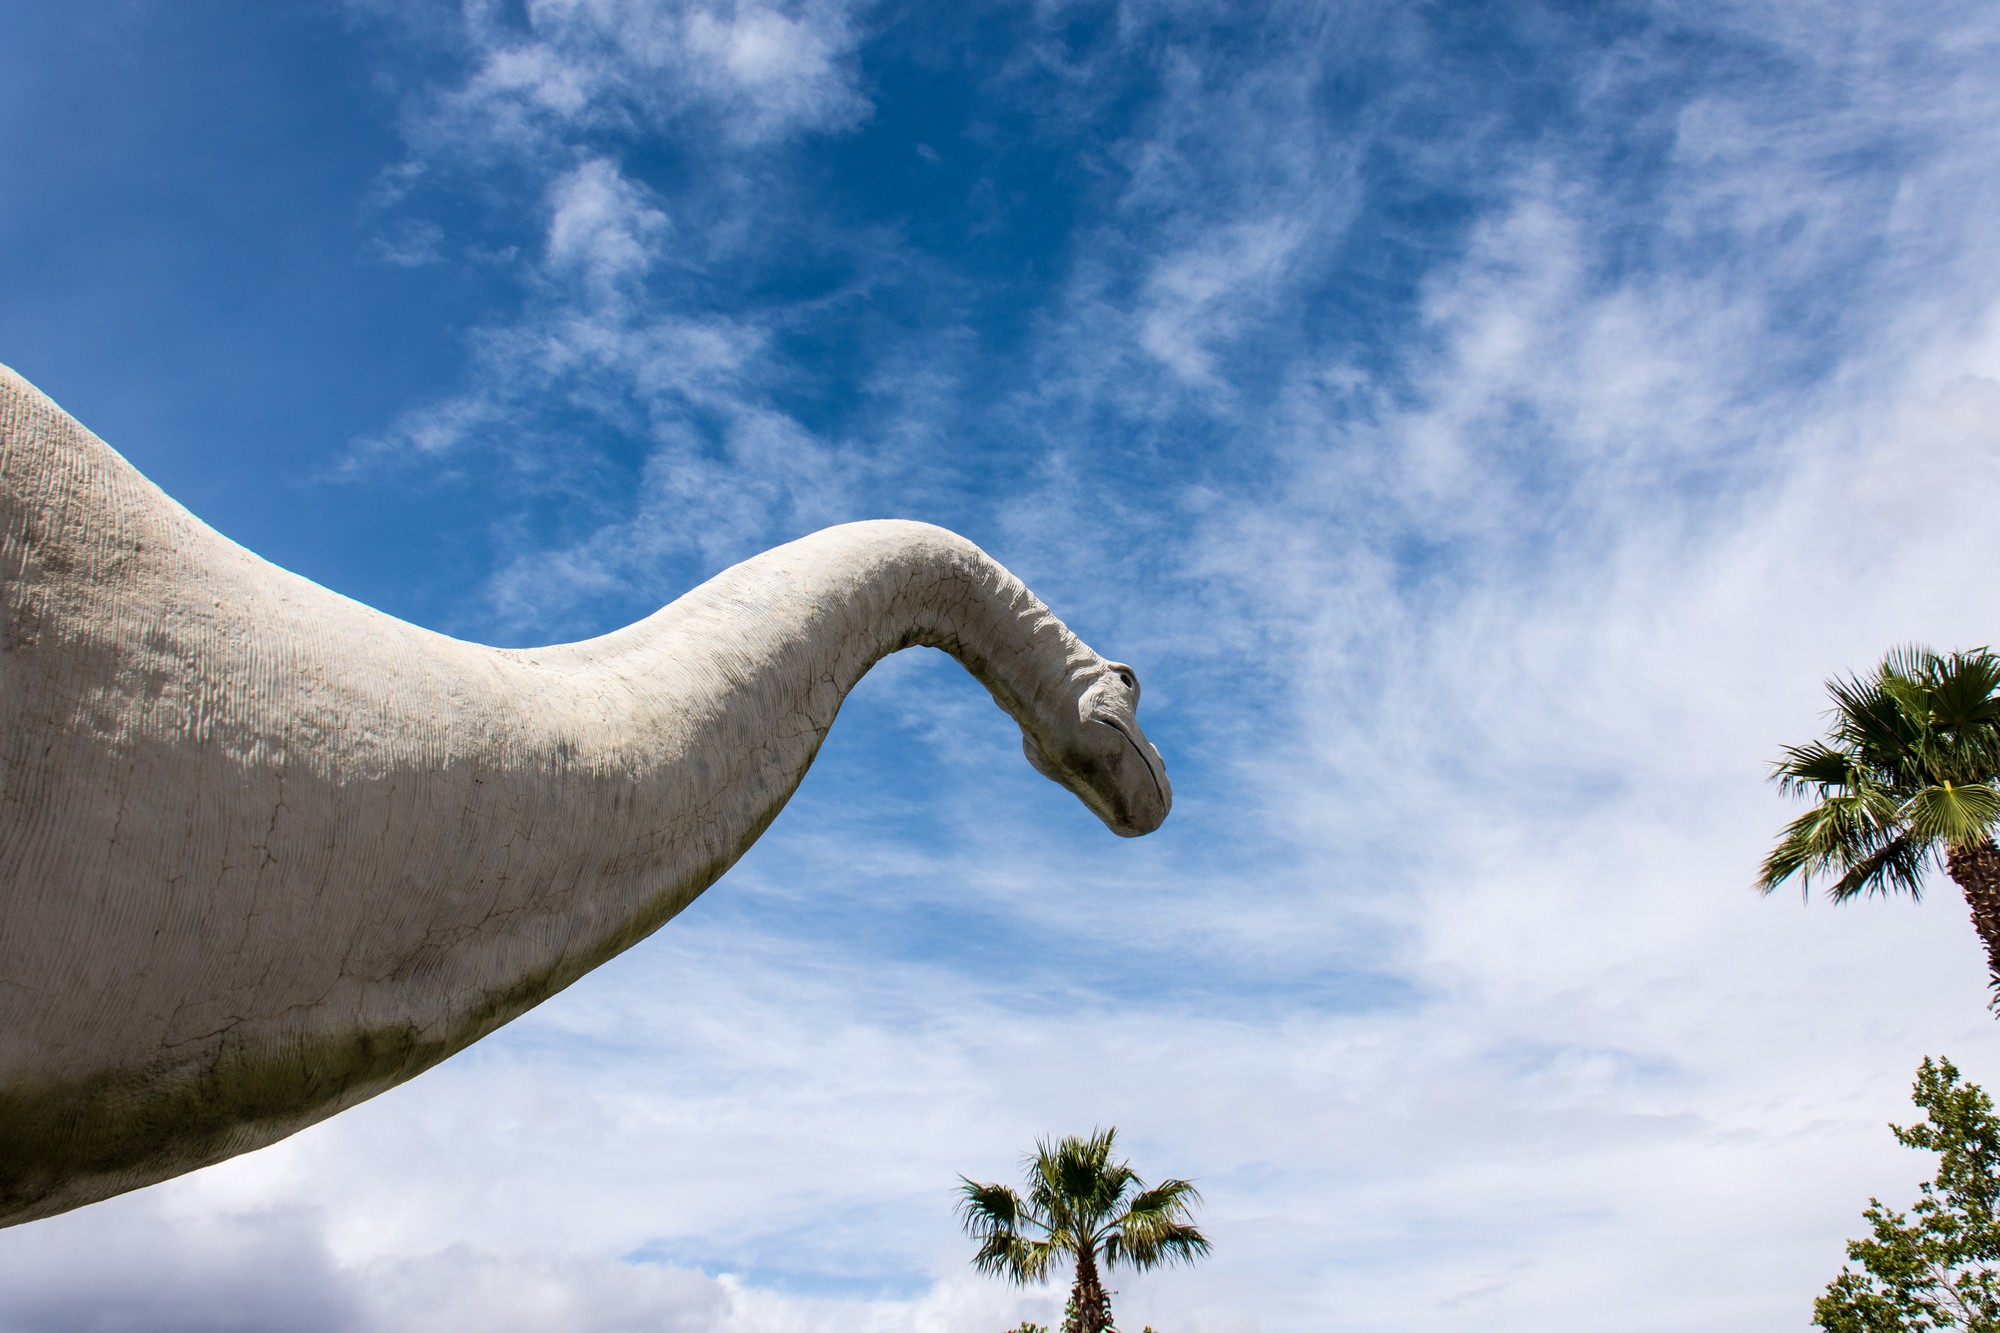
<point>266,852</point>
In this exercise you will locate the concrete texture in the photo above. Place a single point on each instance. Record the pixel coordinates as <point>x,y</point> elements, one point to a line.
<point>266,852</point>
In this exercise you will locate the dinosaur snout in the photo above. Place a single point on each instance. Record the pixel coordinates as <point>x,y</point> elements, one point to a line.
<point>1144,794</point>
<point>1112,768</point>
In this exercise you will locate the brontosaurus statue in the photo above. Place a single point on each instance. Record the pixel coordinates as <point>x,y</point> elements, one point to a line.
<point>266,852</point>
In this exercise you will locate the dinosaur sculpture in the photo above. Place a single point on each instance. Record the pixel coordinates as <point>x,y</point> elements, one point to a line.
<point>266,852</point>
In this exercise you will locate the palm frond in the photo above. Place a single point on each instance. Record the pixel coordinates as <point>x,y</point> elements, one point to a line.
<point>1831,838</point>
<point>1156,1229</point>
<point>1964,745</point>
<point>1923,717</point>
<point>1077,1186</point>
<point>1965,689</point>
<point>1083,1206</point>
<point>1867,713</point>
<point>1952,814</point>
<point>985,1208</point>
<point>1140,1248</point>
<point>1909,765</point>
<point>1898,867</point>
<point>1815,769</point>
<point>1169,1198</point>
<point>1015,1258</point>
<point>996,1216</point>
<point>1910,661</point>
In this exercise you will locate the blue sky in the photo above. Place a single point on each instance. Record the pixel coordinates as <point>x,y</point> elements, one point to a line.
<point>1483,426</point>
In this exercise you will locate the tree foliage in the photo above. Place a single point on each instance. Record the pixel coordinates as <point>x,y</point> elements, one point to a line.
<point>1905,773</point>
<point>1937,1266</point>
<point>1907,777</point>
<point>1083,1208</point>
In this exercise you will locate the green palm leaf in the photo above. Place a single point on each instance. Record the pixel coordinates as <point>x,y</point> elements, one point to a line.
<point>1815,769</point>
<point>1084,1206</point>
<point>1906,771</point>
<point>1951,814</point>
<point>1156,1228</point>
<point>1897,867</point>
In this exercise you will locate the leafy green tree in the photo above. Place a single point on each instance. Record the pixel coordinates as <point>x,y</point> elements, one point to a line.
<point>1082,1208</point>
<point>1904,779</point>
<point>1938,1267</point>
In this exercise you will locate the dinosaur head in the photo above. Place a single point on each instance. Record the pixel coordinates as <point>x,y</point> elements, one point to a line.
<point>1095,749</point>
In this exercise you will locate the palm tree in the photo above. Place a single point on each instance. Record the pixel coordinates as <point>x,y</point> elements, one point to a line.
<point>1082,1207</point>
<point>1905,779</point>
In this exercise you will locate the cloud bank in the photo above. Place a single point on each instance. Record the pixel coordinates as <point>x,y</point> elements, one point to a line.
<point>1484,429</point>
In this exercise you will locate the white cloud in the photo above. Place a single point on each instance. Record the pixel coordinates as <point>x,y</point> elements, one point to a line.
<point>1197,297</point>
<point>1445,983</point>
<point>759,72</point>
<point>787,70</point>
<point>768,475</point>
<point>617,348</point>
<point>1633,539</point>
<point>602,226</point>
<point>724,473</point>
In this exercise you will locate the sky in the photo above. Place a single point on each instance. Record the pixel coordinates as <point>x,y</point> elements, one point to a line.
<point>1484,427</point>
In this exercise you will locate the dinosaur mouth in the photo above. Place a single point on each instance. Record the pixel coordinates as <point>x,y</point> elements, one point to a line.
<point>1105,720</point>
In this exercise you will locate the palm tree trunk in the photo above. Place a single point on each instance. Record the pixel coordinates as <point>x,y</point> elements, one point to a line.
<point>1089,1307</point>
<point>1976,871</point>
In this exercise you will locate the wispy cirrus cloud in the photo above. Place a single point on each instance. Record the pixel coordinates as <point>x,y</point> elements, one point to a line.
<point>1483,430</point>
<point>601,226</point>
<point>631,406</point>
<point>653,419</point>
<point>535,76</point>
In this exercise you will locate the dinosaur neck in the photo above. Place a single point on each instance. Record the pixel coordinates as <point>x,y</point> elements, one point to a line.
<point>778,641</point>
<point>269,852</point>
<point>718,703</point>
<point>680,738</point>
